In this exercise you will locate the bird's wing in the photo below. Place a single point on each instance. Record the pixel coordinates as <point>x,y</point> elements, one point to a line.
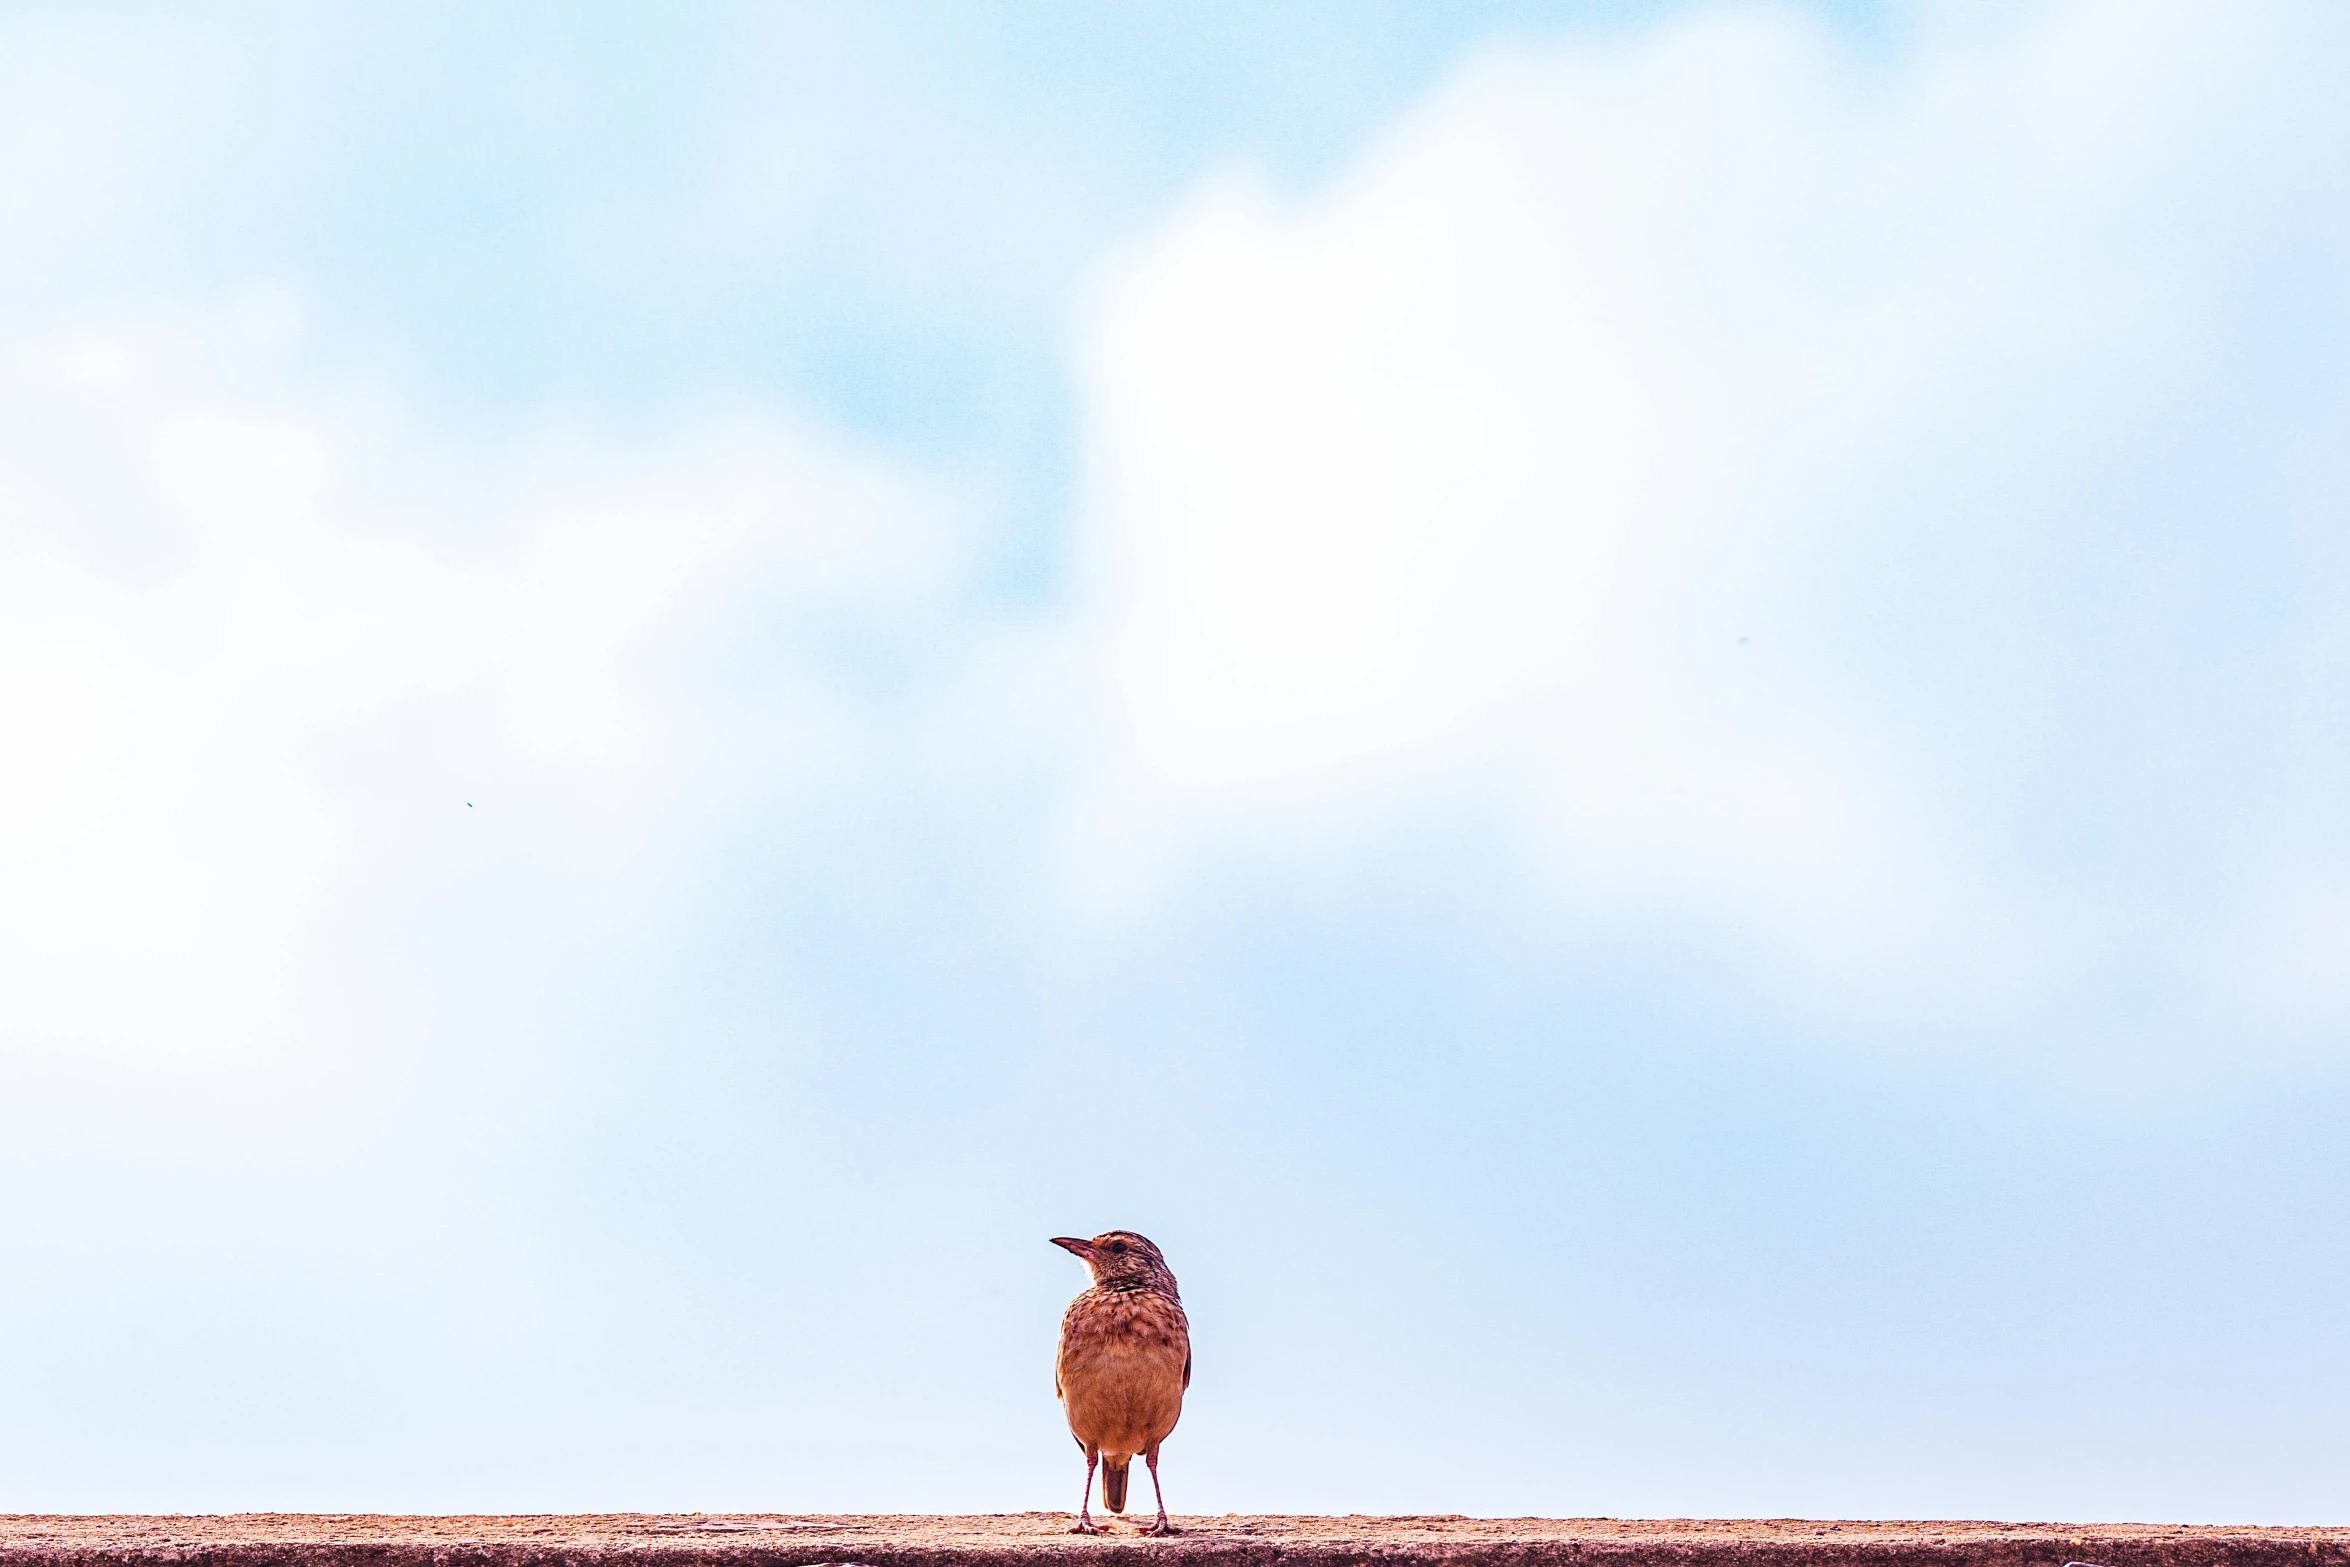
<point>1187,1371</point>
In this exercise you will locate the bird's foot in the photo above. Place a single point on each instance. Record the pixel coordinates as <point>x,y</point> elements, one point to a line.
<point>1088,1526</point>
<point>1161,1527</point>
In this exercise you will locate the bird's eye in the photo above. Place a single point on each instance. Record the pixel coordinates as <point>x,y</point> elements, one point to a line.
<point>1119,1247</point>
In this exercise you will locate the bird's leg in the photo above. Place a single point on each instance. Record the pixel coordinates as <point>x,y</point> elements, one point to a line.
<point>1085,1523</point>
<point>1151,1457</point>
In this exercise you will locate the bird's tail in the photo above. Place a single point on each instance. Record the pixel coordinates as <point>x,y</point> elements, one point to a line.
<point>1114,1484</point>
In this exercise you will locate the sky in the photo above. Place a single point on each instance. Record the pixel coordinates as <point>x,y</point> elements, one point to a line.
<point>1636,715</point>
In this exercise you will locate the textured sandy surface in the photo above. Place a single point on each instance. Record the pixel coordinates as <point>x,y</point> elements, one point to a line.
<point>1009,1540</point>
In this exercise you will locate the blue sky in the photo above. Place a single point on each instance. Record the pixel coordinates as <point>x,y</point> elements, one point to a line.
<point>1632,714</point>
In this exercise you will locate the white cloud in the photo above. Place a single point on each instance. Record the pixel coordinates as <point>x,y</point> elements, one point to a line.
<point>216,582</point>
<point>1555,456</point>
<point>1551,463</point>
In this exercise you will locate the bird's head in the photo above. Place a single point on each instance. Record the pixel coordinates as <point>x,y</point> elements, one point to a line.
<point>1122,1259</point>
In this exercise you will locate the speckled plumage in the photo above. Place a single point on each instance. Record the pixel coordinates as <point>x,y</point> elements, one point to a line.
<point>1123,1366</point>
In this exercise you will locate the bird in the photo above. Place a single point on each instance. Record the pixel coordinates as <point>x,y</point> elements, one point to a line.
<point>1123,1367</point>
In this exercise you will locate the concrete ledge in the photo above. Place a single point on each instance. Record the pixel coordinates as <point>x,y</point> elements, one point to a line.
<point>1041,1540</point>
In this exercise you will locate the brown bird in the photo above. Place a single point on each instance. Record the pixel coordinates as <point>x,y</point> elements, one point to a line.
<point>1124,1364</point>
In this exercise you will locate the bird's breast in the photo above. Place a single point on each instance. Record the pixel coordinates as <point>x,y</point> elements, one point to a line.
<point>1124,1323</point>
<point>1121,1367</point>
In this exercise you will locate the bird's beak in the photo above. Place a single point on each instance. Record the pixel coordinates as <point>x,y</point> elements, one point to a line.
<point>1084,1249</point>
